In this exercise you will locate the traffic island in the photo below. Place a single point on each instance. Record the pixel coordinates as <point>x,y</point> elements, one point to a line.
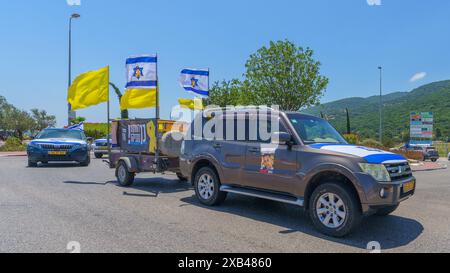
<point>427,166</point>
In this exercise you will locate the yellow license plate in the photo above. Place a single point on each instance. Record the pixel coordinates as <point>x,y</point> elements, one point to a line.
<point>56,153</point>
<point>407,187</point>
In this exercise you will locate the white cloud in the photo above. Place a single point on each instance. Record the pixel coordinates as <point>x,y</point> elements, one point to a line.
<point>74,2</point>
<point>418,76</point>
<point>374,2</point>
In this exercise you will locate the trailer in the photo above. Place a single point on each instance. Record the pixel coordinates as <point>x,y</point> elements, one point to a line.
<point>144,145</point>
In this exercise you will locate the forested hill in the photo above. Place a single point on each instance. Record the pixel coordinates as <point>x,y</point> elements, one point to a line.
<point>364,112</point>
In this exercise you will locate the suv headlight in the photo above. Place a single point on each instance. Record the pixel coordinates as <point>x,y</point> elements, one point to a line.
<point>377,171</point>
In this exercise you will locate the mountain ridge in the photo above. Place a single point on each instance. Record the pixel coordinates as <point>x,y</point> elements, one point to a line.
<point>397,106</point>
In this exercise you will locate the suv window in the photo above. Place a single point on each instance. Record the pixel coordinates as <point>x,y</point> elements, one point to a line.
<point>243,127</point>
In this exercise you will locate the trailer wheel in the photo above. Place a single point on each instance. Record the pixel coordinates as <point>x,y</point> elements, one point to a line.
<point>124,177</point>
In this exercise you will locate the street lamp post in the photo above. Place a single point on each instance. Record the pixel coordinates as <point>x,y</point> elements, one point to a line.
<point>381,103</point>
<point>70,114</point>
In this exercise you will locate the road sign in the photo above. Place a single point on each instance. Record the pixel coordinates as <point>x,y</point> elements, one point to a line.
<point>422,125</point>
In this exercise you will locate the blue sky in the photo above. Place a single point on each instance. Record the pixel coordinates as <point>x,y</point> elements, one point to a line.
<point>350,37</point>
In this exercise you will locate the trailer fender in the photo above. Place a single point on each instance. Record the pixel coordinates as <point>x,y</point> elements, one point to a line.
<point>131,164</point>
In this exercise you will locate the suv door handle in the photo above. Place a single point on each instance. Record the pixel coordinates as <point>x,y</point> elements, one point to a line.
<point>254,150</point>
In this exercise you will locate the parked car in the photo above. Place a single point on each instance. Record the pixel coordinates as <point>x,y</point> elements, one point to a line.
<point>448,156</point>
<point>59,145</point>
<point>428,153</point>
<point>100,147</point>
<point>307,163</point>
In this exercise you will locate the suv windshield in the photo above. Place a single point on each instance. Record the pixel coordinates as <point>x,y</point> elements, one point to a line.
<point>55,133</point>
<point>314,130</point>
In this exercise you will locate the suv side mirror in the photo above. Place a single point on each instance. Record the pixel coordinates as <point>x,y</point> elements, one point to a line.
<point>282,138</point>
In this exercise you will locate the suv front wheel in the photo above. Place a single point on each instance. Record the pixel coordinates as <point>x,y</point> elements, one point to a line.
<point>334,209</point>
<point>207,187</point>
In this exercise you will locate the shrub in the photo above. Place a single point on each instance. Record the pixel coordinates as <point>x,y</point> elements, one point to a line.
<point>371,143</point>
<point>352,138</point>
<point>13,144</point>
<point>96,130</point>
<point>414,155</point>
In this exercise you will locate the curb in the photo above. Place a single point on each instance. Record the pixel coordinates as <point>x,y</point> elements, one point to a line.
<point>430,169</point>
<point>12,155</point>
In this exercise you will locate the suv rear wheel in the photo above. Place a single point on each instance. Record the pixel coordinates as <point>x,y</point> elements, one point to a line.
<point>334,210</point>
<point>207,187</point>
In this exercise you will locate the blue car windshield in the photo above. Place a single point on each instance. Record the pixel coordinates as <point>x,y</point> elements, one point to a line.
<point>55,133</point>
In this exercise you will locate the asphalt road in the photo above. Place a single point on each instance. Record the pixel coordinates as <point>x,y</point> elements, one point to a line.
<point>43,209</point>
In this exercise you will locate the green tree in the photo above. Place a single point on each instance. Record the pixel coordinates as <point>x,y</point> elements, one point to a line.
<point>19,122</point>
<point>228,93</point>
<point>124,113</point>
<point>285,75</point>
<point>42,120</point>
<point>438,134</point>
<point>78,120</point>
<point>349,128</point>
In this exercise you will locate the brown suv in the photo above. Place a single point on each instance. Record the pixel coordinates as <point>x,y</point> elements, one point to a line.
<point>304,162</point>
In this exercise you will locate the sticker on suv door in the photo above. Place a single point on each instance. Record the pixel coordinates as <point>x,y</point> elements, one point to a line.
<point>267,160</point>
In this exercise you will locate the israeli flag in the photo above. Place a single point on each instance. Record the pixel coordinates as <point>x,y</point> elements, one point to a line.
<point>196,81</point>
<point>142,72</point>
<point>77,127</point>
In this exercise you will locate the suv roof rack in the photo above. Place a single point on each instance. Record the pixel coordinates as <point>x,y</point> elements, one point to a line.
<point>210,111</point>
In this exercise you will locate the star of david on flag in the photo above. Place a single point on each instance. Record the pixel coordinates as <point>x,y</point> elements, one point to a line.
<point>195,81</point>
<point>141,72</point>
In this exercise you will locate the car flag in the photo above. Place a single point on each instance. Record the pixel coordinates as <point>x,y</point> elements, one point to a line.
<point>195,104</point>
<point>195,81</point>
<point>89,89</point>
<point>142,82</point>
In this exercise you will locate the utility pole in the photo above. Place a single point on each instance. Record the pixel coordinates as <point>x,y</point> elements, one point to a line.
<point>381,103</point>
<point>70,114</point>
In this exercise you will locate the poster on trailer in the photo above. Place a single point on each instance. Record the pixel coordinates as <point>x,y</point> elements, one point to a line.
<point>137,136</point>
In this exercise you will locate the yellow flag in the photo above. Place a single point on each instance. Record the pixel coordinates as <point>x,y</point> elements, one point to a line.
<point>138,98</point>
<point>195,104</point>
<point>89,89</point>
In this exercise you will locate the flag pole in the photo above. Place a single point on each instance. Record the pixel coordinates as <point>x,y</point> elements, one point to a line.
<point>109,127</point>
<point>157,153</point>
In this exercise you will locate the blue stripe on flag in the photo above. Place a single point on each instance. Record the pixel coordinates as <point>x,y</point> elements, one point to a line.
<point>142,60</point>
<point>195,72</point>
<point>142,84</point>
<point>200,92</point>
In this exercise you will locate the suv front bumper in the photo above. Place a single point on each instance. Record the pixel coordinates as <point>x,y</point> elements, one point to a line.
<point>380,195</point>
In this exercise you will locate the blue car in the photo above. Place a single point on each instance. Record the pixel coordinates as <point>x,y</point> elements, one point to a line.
<point>66,145</point>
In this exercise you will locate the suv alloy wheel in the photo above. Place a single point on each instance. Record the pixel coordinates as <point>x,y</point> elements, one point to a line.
<point>207,187</point>
<point>334,209</point>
